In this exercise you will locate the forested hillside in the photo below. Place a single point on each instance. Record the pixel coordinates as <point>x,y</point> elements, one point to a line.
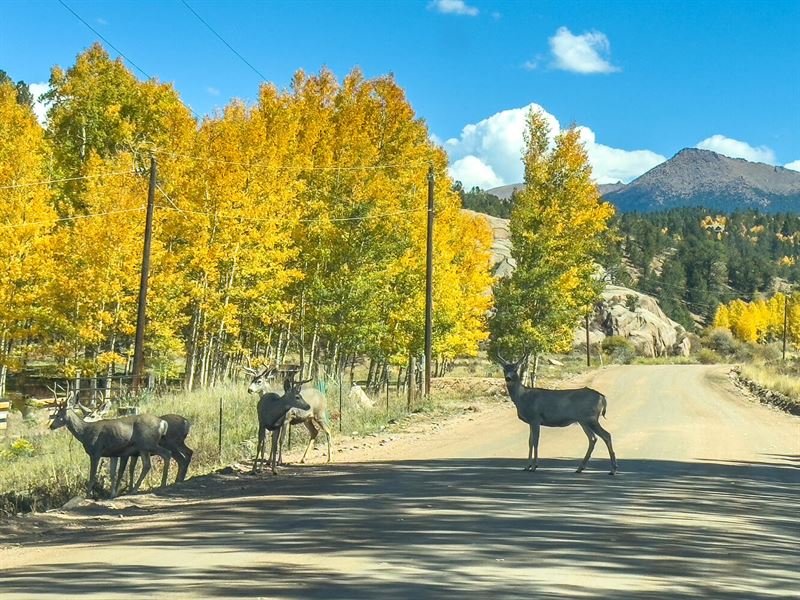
<point>692,260</point>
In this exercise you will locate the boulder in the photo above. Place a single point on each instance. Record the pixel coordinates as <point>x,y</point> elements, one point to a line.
<point>638,318</point>
<point>359,397</point>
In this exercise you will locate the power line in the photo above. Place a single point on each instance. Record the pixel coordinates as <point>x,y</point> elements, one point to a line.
<point>221,39</point>
<point>100,35</point>
<point>49,181</point>
<point>75,218</point>
<point>118,51</point>
<point>174,207</point>
<point>294,167</point>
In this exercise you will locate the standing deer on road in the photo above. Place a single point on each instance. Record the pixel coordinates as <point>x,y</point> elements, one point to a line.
<point>274,414</point>
<point>557,408</point>
<point>315,418</point>
<point>115,438</point>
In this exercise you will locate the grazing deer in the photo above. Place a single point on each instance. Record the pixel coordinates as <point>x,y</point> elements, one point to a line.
<point>557,408</point>
<point>274,413</point>
<point>174,441</point>
<point>115,438</point>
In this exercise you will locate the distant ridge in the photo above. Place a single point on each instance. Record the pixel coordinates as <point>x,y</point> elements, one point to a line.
<point>695,177</point>
<point>504,191</point>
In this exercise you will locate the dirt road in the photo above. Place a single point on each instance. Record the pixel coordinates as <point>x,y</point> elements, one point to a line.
<point>706,505</point>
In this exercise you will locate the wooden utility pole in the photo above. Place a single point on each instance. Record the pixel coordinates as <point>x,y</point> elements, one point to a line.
<point>785,323</point>
<point>138,349</point>
<point>588,355</point>
<point>429,287</point>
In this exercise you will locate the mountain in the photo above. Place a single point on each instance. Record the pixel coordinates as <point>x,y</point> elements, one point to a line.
<point>695,177</point>
<point>504,191</point>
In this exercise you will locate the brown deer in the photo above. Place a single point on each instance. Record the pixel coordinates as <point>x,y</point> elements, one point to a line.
<point>557,408</point>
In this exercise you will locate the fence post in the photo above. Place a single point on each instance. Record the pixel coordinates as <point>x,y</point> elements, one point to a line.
<point>3,414</point>
<point>220,427</point>
<point>341,416</point>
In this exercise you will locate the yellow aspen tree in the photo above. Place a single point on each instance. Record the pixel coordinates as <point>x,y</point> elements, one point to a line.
<point>556,231</point>
<point>27,220</point>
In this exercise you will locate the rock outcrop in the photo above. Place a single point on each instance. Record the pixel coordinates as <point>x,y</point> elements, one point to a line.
<point>638,318</point>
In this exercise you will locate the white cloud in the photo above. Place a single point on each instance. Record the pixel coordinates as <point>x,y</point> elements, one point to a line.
<point>585,53</point>
<point>101,21</point>
<point>213,91</point>
<point>610,165</point>
<point>489,153</point>
<point>794,165</point>
<point>472,171</point>
<point>39,108</point>
<point>737,149</point>
<point>453,7</point>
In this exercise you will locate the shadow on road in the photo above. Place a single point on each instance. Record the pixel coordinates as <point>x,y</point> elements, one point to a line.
<point>481,527</point>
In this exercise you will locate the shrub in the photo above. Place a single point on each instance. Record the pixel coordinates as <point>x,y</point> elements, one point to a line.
<point>18,448</point>
<point>721,340</point>
<point>707,356</point>
<point>619,349</point>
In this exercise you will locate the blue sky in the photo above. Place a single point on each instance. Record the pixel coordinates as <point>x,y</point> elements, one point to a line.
<point>644,79</point>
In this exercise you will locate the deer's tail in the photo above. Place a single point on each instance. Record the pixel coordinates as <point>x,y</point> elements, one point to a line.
<point>603,404</point>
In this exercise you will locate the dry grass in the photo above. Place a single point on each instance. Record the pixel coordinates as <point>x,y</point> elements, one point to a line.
<point>42,469</point>
<point>777,378</point>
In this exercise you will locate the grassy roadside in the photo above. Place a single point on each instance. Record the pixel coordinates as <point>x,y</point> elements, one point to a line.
<point>781,379</point>
<point>41,469</point>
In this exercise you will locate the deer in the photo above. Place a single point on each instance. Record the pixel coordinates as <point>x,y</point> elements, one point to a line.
<point>556,408</point>
<point>274,413</point>
<point>174,441</point>
<point>114,438</point>
<point>315,418</point>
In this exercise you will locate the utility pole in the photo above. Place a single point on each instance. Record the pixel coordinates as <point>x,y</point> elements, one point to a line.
<point>138,349</point>
<point>785,322</point>
<point>429,287</point>
<point>588,355</point>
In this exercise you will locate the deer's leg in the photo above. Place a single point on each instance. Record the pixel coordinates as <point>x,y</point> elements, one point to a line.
<point>592,440</point>
<point>273,453</point>
<point>324,426</point>
<point>146,466</point>
<point>132,471</point>
<point>166,456</point>
<point>259,448</point>
<point>123,463</point>
<point>112,469</point>
<point>606,437</point>
<point>187,453</point>
<point>313,432</point>
<point>94,462</point>
<point>281,436</point>
<point>533,448</point>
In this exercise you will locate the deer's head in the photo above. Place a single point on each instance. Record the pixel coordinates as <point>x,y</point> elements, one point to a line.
<point>59,418</point>
<point>292,389</point>
<point>511,369</point>
<point>262,381</point>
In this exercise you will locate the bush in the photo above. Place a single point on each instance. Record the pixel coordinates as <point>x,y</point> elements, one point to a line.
<point>18,448</point>
<point>706,356</point>
<point>619,349</point>
<point>721,340</point>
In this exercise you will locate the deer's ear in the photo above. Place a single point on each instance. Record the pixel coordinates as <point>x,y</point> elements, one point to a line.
<point>287,385</point>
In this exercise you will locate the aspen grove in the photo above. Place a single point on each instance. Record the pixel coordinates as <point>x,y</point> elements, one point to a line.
<point>293,225</point>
